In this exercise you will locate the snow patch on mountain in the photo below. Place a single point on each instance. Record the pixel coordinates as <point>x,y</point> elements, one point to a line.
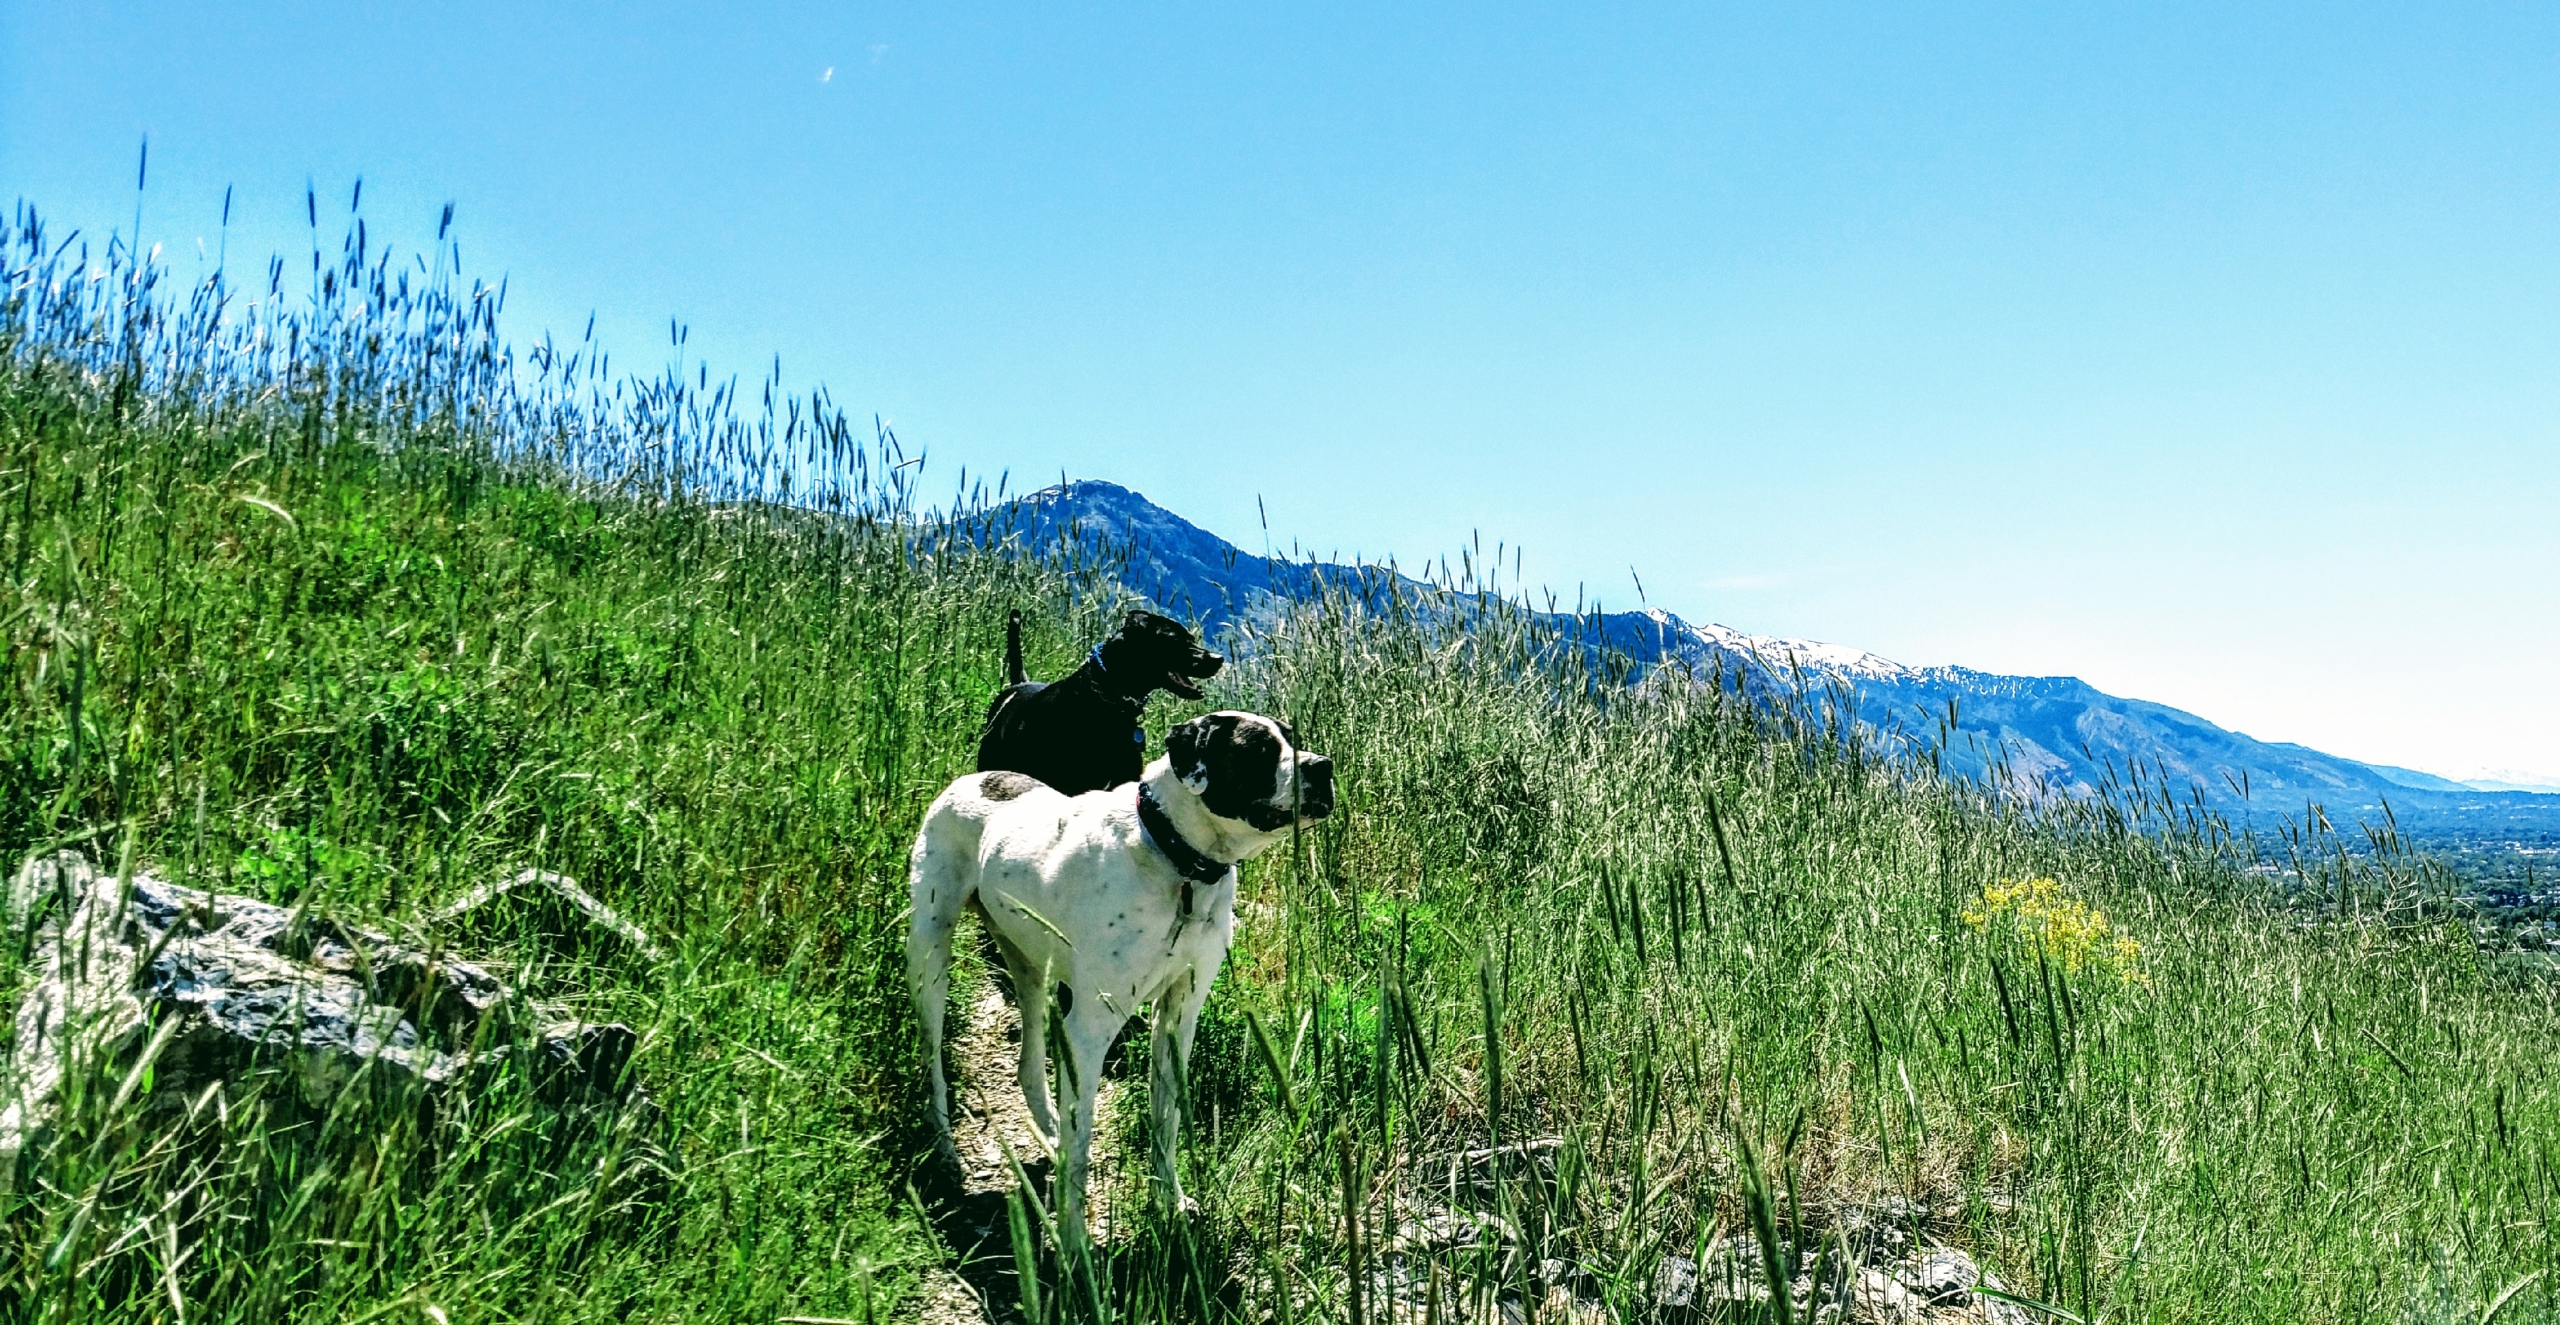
<point>1838,661</point>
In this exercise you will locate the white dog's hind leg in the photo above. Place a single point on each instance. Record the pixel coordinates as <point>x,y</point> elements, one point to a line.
<point>1090,1030</point>
<point>1177,1016</point>
<point>1031,993</point>
<point>938,887</point>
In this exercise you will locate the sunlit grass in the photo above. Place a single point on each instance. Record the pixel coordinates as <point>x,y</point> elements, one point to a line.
<point>323,598</point>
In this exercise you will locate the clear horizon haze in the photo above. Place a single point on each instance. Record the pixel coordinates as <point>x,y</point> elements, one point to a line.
<point>2205,354</point>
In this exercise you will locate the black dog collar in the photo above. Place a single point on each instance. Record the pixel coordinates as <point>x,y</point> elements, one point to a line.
<point>1138,734</point>
<point>1191,862</point>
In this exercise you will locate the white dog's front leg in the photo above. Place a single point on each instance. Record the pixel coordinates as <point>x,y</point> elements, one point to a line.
<point>1090,1028</point>
<point>1168,1081</point>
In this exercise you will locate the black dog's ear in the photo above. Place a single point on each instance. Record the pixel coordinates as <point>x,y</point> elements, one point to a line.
<point>1188,745</point>
<point>1141,621</point>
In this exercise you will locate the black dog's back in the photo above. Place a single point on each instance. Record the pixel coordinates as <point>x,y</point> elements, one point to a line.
<point>1061,737</point>
<point>1080,733</point>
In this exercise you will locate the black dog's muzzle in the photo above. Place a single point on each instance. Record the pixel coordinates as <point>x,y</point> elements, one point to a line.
<point>1201,667</point>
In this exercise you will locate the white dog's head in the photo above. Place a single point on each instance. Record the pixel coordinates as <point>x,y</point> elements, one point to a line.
<point>1248,768</point>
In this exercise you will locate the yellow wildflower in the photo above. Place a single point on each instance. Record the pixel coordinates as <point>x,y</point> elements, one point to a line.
<point>2068,931</point>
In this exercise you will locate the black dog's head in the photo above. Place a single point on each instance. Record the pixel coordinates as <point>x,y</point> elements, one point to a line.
<point>1249,768</point>
<point>1154,651</point>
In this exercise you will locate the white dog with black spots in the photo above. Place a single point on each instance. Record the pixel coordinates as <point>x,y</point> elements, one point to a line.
<point>1115,900</point>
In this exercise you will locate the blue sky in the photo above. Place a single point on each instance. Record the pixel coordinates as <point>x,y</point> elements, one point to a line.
<point>2207,355</point>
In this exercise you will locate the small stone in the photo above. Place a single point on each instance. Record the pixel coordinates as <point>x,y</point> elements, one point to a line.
<point>1881,1298</point>
<point>1675,1282</point>
<point>1944,1278</point>
<point>1427,1227</point>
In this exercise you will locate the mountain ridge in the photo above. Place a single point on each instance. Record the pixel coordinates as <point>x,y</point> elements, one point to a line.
<point>2055,735</point>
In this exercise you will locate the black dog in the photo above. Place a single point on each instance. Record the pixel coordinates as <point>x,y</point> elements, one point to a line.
<point>1081,733</point>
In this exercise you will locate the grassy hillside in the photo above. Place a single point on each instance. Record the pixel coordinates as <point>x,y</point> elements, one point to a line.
<point>338,606</point>
<point>325,598</point>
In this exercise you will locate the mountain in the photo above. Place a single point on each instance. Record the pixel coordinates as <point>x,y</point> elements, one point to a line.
<point>2410,777</point>
<point>2043,735</point>
<point>2508,779</point>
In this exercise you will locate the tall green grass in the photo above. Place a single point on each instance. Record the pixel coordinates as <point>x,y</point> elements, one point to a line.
<point>1709,947</point>
<point>328,597</point>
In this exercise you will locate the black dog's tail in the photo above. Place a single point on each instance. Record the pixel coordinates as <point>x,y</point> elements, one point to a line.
<point>1013,673</point>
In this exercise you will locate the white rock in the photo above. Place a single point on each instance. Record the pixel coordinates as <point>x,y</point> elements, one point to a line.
<point>234,983</point>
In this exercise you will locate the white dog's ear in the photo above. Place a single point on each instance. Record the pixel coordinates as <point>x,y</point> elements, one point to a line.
<point>1187,746</point>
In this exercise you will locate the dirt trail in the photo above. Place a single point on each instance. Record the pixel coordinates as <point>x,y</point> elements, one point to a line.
<point>988,1115</point>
